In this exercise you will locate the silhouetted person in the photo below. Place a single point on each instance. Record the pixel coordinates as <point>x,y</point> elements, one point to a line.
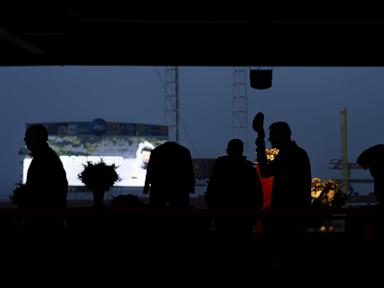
<point>291,170</point>
<point>373,159</point>
<point>234,191</point>
<point>46,184</point>
<point>170,176</point>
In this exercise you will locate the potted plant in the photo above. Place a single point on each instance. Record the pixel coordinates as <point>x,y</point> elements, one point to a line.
<point>99,178</point>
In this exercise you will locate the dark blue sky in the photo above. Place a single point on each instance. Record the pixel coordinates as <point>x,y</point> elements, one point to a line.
<point>308,98</point>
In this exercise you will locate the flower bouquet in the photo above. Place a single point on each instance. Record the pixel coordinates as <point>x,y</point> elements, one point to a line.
<point>327,194</point>
<point>99,177</point>
<point>271,153</point>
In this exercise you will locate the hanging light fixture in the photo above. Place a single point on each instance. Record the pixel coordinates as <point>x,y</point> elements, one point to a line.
<point>260,78</point>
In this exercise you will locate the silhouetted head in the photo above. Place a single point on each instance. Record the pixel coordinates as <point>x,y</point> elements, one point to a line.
<point>35,136</point>
<point>372,159</point>
<point>279,134</point>
<point>364,160</point>
<point>235,148</point>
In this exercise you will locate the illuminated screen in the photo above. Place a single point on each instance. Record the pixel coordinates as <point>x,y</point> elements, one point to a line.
<point>128,145</point>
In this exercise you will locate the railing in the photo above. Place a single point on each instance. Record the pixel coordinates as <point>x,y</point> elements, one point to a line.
<point>197,222</point>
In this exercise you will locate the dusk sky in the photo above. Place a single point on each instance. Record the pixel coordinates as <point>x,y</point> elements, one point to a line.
<point>308,98</point>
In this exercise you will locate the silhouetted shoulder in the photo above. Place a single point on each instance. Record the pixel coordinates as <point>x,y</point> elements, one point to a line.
<point>376,150</point>
<point>373,155</point>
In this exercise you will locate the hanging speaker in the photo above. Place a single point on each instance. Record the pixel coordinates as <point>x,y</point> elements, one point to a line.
<point>261,78</point>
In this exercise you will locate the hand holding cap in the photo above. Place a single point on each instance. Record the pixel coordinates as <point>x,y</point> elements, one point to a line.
<point>258,123</point>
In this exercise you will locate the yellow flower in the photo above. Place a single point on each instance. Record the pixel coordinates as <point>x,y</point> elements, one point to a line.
<point>272,153</point>
<point>331,195</point>
<point>315,193</point>
<point>327,193</point>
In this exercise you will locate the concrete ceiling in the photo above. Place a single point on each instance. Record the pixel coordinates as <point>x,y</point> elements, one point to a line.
<point>191,34</point>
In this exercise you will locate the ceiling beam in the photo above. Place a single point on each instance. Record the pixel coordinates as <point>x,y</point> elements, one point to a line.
<point>19,42</point>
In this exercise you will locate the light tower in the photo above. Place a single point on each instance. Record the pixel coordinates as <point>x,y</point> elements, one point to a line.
<point>172,101</point>
<point>239,105</point>
<point>345,186</point>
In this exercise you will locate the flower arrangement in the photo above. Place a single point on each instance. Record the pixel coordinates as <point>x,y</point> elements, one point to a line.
<point>99,176</point>
<point>327,193</point>
<point>20,196</point>
<point>272,153</point>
